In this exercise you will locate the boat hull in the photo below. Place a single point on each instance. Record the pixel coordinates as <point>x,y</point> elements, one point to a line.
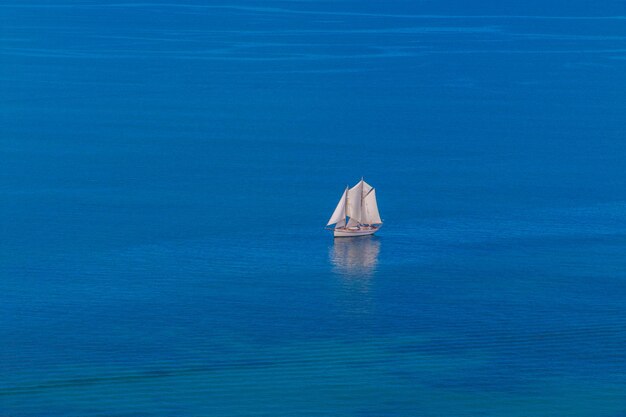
<point>363,231</point>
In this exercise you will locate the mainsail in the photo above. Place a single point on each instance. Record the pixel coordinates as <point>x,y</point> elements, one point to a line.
<point>359,204</point>
<point>355,201</point>
<point>366,188</point>
<point>370,209</point>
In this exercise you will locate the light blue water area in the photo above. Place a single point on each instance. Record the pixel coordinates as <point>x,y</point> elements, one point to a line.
<point>166,170</point>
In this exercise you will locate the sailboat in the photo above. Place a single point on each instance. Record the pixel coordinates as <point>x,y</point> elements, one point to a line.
<point>358,205</point>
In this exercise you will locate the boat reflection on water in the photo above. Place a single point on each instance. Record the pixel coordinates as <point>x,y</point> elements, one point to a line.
<point>354,260</point>
<point>355,257</point>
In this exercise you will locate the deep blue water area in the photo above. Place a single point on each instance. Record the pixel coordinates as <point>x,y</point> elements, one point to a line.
<point>167,168</point>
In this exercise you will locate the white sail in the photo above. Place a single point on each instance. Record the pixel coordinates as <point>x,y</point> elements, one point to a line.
<point>366,188</point>
<point>339,215</point>
<point>370,214</point>
<point>355,197</point>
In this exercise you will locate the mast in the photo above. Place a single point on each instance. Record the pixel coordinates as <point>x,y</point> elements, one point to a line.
<point>345,193</point>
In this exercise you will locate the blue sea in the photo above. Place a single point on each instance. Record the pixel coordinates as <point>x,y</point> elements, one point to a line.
<point>167,170</point>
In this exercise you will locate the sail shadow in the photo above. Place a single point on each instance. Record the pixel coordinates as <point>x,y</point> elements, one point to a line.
<point>355,257</point>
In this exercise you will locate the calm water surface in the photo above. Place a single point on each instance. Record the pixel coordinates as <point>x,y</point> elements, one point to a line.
<point>166,170</point>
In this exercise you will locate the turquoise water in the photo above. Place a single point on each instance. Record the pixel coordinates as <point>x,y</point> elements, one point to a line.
<point>167,169</point>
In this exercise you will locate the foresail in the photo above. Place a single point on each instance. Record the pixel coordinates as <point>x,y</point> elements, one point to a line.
<point>339,215</point>
<point>370,209</point>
